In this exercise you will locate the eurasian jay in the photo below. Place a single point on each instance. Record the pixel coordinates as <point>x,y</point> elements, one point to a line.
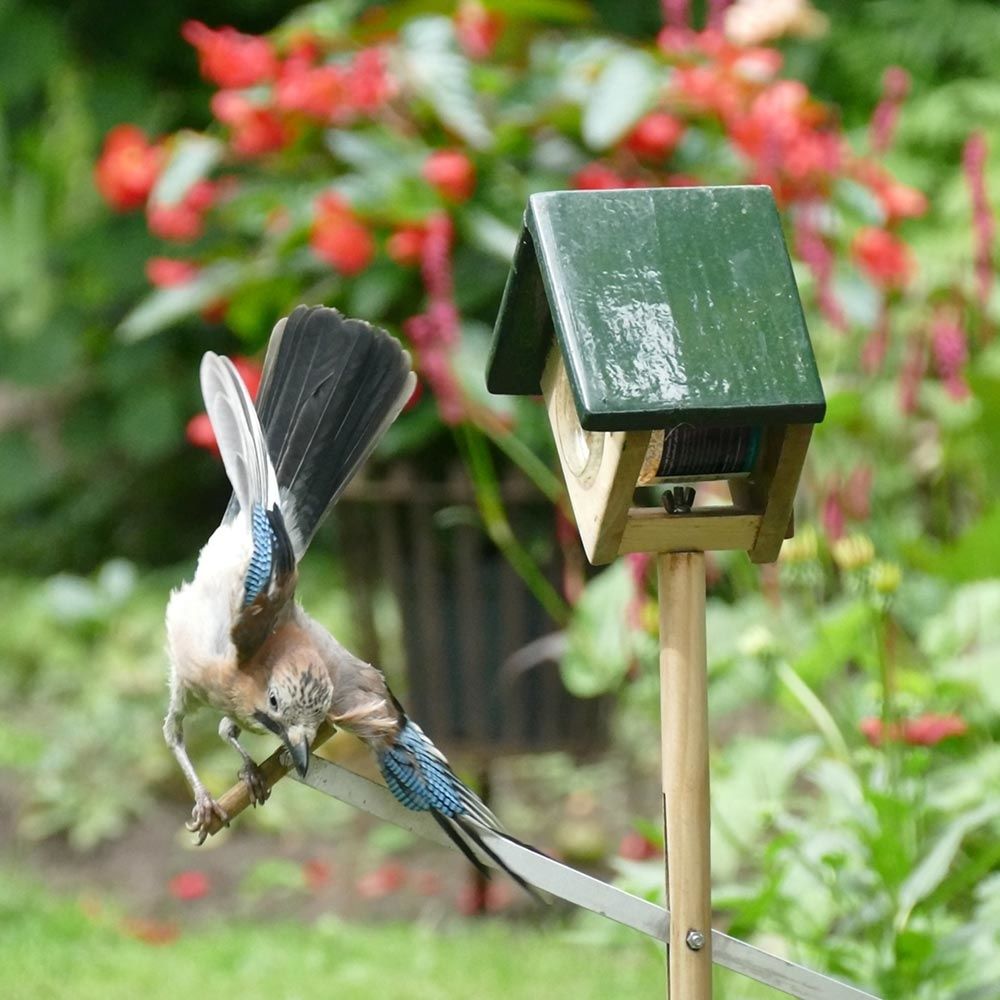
<point>238,640</point>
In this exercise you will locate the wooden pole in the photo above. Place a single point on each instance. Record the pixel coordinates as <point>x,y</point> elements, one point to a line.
<point>684,745</point>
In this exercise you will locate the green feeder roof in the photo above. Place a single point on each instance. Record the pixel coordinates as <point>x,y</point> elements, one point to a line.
<point>669,305</point>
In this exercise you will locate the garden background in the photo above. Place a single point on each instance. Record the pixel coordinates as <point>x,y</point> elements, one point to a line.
<point>170,188</point>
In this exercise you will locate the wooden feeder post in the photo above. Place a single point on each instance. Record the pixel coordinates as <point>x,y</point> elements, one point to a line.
<point>664,329</point>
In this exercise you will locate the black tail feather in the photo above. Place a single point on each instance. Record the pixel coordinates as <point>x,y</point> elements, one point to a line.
<point>331,387</point>
<point>470,831</point>
<point>457,840</point>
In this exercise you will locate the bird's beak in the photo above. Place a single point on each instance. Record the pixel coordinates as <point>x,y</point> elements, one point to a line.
<point>298,744</point>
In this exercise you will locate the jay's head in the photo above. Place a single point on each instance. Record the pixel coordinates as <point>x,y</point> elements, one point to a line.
<point>295,702</point>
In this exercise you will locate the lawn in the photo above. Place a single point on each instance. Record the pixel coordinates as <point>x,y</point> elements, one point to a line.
<point>54,947</point>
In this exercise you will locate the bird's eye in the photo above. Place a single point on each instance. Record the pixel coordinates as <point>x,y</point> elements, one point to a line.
<point>272,700</point>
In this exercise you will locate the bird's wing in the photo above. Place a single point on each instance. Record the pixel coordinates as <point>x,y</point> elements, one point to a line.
<point>269,574</point>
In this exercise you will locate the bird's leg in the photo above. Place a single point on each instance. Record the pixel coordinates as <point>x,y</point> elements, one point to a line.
<point>250,773</point>
<point>205,807</point>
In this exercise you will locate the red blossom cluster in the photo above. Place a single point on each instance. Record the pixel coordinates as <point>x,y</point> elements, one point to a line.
<point>277,95</point>
<point>478,29</point>
<point>128,168</point>
<point>339,237</point>
<point>286,93</point>
<point>923,731</point>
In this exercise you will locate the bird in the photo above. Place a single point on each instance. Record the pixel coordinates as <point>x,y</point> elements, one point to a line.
<point>238,640</point>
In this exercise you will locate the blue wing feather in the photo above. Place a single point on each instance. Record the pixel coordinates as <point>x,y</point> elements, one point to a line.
<point>259,571</point>
<point>418,776</point>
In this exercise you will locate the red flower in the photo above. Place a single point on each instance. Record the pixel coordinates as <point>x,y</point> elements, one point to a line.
<point>924,731</point>
<point>369,84</point>
<point>189,885</point>
<point>228,57</point>
<point>166,272</point>
<point>199,433</point>
<point>250,371</point>
<point>256,129</point>
<point>884,258</point>
<point>339,238</point>
<point>316,873</point>
<point>317,92</point>
<point>902,202</point>
<point>708,90</point>
<point>478,29</point>
<point>127,168</point>
<point>635,847</point>
<point>929,729</point>
<point>199,428</point>
<point>596,177</point>
<point>452,173</point>
<point>655,136</point>
<point>406,245</point>
<point>427,883</point>
<point>182,221</point>
<point>383,881</point>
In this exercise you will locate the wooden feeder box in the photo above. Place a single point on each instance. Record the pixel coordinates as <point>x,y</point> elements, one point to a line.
<point>680,354</point>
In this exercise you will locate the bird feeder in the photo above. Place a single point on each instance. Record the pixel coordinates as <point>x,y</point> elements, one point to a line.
<point>664,330</point>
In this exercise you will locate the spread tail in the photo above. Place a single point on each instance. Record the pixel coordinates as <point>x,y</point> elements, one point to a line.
<point>330,389</point>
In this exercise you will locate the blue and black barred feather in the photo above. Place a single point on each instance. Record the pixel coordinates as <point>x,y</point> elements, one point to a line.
<point>272,555</point>
<point>417,775</point>
<point>422,780</point>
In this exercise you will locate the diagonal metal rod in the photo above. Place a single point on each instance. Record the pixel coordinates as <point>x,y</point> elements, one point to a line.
<point>582,890</point>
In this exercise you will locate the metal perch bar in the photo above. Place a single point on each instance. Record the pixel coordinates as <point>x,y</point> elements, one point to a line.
<point>551,876</point>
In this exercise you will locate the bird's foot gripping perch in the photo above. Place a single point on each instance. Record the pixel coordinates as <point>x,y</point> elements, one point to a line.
<point>207,816</point>
<point>257,787</point>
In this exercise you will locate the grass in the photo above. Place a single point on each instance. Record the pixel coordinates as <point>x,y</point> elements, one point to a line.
<point>54,948</point>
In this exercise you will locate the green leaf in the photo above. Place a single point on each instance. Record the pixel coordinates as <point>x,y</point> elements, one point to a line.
<point>491,234</point>
<point>602,642</point>
<point>556,11</point>
<point>974,555</point>
<point>623,93</point>
<point>929,874</point>
<point>168,305</point>
<point>192,158</point>
<point>843,635</point>
<point>437,70</point>
<point>328,19</point>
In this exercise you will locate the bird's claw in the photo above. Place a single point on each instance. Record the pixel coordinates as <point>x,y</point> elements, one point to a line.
<point>253,777</point>
<point>206,810</point>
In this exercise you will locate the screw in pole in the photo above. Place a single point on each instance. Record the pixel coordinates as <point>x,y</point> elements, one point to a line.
<point>695,940</point>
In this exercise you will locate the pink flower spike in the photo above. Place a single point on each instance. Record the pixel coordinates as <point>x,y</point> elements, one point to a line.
<point>895,87</point>
<point>984,224</point>
<point>676,13</point>
<point>950,349</point>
